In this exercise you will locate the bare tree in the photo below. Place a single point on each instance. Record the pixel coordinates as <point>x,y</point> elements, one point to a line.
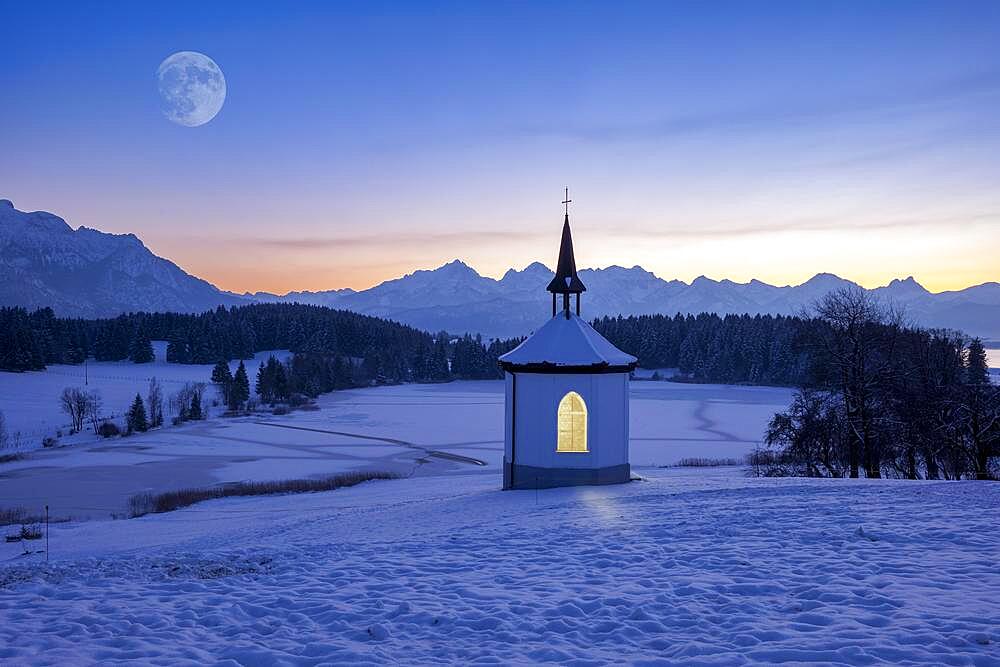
<point>74,402</point>
<point>807,435</point>
<point>189,395</point>
<point>859,345</point>
<point>154,399</point>
<point>93,410</point>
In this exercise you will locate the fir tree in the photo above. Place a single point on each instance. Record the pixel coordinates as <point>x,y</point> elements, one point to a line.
<point>272,381</point>
<point>194,412</point>
<point>976,368</point>
<point>177,352</point>
<point>279,378</point>
<point>222,377</point>
<point>136,418</point>
<point>240,393</point>
<point>262,386</point>
<point>439,370</point>
<point>141,350</point>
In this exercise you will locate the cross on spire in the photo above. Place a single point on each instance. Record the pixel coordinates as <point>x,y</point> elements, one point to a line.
<point>567,201</point>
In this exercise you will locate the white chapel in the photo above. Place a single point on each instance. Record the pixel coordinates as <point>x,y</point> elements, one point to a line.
<point>566,396</point>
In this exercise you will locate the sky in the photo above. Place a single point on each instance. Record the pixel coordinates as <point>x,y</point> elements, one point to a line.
<point>359,142</point>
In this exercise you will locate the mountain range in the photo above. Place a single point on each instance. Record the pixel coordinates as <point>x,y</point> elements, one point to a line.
<point>87,273</point>
<point>455,298</point>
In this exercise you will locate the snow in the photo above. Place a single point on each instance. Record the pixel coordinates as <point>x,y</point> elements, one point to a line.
<point>380,428</point>
<point>567,341</point>
<point>43,262</point>
<point>30,401</point>
<point>685,567</point>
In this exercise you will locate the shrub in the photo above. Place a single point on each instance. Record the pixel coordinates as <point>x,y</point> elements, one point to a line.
<point>297,400</point>
<point>108,429</point>
<point>769,463</point>
<point>702,462</point>
<point>280,410</point>
<point>49,441</point>
<point>147,503</point>
<point>31,532</point>
<point>10,516</point>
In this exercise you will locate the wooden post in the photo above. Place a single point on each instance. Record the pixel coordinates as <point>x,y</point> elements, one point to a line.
<point>46,533</point>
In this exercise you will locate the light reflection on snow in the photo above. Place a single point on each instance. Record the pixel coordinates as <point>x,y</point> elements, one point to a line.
<point>601,505</point>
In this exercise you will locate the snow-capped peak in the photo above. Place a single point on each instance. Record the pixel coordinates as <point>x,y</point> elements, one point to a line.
<point>85,272</point>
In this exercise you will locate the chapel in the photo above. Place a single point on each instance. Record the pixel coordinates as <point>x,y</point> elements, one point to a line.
<point>566,396</point>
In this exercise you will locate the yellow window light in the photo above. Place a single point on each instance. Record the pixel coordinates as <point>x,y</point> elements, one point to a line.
<point>572,424</point>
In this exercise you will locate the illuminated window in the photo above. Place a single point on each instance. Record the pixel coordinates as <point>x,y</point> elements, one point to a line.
<point>572,424</point>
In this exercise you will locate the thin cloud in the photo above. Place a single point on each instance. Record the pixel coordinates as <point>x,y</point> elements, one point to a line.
<point>387,239</point>
<point>809,225</point>
<point>788,112</point>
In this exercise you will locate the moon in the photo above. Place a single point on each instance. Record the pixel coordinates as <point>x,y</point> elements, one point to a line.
<point>192,88</point>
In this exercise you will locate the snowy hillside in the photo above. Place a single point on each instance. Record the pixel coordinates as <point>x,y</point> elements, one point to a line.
<point>87,273</point>
<point>686,567</point>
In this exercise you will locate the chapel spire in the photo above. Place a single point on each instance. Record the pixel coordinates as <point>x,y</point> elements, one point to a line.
<point>566,281</point>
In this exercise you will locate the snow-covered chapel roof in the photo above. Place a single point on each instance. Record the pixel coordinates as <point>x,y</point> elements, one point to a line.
<point>567,344</point>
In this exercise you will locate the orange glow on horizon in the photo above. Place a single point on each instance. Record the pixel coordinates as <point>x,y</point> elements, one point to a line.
<point>297,275</point>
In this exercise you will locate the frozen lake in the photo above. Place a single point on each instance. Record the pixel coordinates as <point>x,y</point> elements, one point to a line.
<point>402,429</point>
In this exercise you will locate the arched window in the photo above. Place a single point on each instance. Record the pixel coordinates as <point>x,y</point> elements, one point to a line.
<point>572,424</point>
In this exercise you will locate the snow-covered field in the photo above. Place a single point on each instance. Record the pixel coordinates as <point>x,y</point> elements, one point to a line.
<point>396,429</point>
<point>30,401</point>
<point>688,567</point>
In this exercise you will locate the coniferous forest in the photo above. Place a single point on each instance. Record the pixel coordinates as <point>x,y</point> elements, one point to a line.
<point>731,349</point>
<point>334,348</point>
<point>876,397</point>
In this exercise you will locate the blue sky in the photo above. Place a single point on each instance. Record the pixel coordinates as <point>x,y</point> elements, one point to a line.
<point>361,141</point>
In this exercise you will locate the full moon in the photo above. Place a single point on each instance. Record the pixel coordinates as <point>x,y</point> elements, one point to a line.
<point>192,88</point>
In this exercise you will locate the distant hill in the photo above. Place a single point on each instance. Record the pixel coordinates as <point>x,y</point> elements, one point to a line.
<point>87,273</point>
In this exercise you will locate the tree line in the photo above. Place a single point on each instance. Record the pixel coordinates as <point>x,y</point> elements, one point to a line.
<point>730,349</point>
<point>881,398</point>
<point>875,397</point>
<point>334,348</point>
